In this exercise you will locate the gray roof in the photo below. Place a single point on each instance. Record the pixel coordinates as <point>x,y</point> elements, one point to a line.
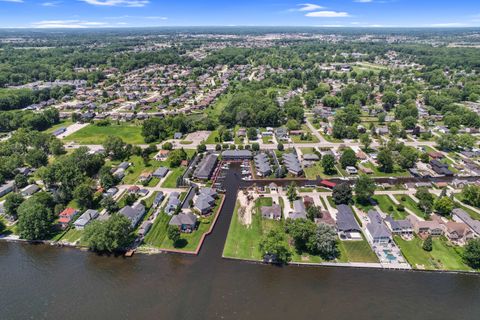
<point>29,190</point>
<point>203,203</point>
<point>467,219</point>
<point>206,166</point>
<point>133,213</point>
<point>208,192</point>
<point>274,211</point>
<point>345,219</point>
<point>86,217</point>
<point>161,172</point>
<point>310,157</point>
<point>290,160</point>
<point>376,227</point>
<point>399,225</point>
<point>183,219</point>
<point>237,154</point>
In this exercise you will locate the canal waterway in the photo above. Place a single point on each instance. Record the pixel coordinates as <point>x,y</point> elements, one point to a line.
<point>44,282</point>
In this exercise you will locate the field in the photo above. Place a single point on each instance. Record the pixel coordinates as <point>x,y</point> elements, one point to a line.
<point>356,251</point>
<point>397,172</point>
<point>62,124</point>
<point>317,170</point>
<point>412,205</point>
<point>386,205</point>
<point>93,134</point>
<point>443,256</point>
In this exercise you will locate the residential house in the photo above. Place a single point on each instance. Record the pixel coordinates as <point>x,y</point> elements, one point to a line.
<point>66,216</point>
<point>134,213</point>
<point>347,225</point>
<point>292,164</point>
<point>144,228</point>
<point>299,211</point>
<point>376,231</point>
<point>173,203</point>
<point>87,217</point>
<point>273,212</point>
<point>236,155</point>
<point>186,222</point>
<point>158,199</point>
<point>399,227</point>
<point>145,177</point>
<point>426,228</point>
<point>160,172</point>
<point>440,168</point>
<point>459,215</point>
<point>206,166</point>
<point>7,188</point>
<point>262,165</point>
<point>29,190</point>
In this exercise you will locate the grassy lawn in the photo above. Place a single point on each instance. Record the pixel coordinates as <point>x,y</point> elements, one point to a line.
<point>444,256</point>
<point>171,180</point>
<point>356,251</point>
<point>243,241</point>
<point>397,172</point>
<point>387,206</point>
<point>215,110</point>
<point>72,235</point>
<point>411,204</point>
<point>63,124</point>
<point>317,170</point>
<point>137,167</point>
<point>93,134</point>
<point>212,137</point>
<point>158,232</point>
<point>297,139</point>
<point>267,140</point>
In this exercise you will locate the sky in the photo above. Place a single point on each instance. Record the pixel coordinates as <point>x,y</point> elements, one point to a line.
<point>151,13</point>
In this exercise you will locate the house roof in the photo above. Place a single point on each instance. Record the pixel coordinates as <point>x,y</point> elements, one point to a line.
<point>183,219</point>
<point>345,219</point>
<point>275,211</point>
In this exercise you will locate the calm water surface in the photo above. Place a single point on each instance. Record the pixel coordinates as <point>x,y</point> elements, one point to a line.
<point>42,282</point>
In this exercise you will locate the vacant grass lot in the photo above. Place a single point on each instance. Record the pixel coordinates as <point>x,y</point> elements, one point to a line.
<point>412,205</point>
<point>397,172</point>
<point>356,251</point>
<point>93,134</point>
<point>444,256</point>
<point>63,124</point>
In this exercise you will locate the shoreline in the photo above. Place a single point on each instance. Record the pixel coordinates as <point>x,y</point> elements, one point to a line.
<point>353,265</point>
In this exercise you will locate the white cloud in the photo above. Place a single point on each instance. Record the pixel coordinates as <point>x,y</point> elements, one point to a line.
<point>327,14</point>
<point>16,1</point>
<point>309,7</point>
<point>363,1</point>
<point>51,3</point>
<point>118,3</point>
<point>70,24</point>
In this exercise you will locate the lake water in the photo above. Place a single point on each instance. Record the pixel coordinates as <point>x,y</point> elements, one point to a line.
<point>43,282</point>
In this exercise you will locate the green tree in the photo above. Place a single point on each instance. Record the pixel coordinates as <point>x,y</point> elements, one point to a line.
<point>173,234</point>
<point>84,194</point>
<point>471,195</point>
<point>107,179</point>
<point>280,147</point>
<point>314,212</point>
<point>115,148</point>
<point>348,158</point>
<point>12,202</point>
<point>201,148</point>
<point>444,206</point>
<point>109,204</point>
<point>471,255</point>
<point>300,230</point>
<point>292,192</point>
<point>21,181</point>
<point>366,141</point>
<point>408,157</point>
<point>426,200</point>
<point>342,193</point>
<point>112,235</point>
<point>385,160</point>
<point>364,188</point>
<point>328,164</point>
<point>427,244</point>
<point>324,242</point>
<point>35,221</point>
<point>275,244</point>
<point>176,157</point>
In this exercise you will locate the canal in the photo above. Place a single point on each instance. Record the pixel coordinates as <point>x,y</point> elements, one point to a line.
<point>43,282</point>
